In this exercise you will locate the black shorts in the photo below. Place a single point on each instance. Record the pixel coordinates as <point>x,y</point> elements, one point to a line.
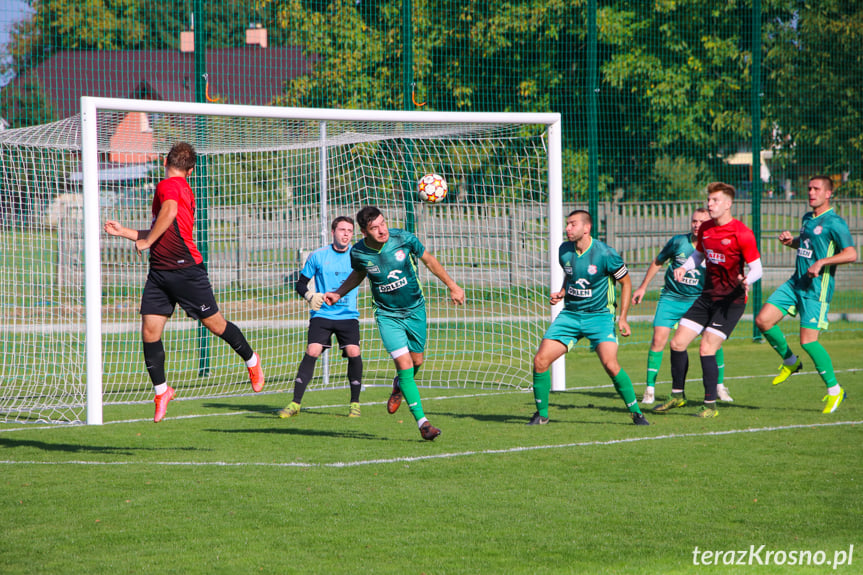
<point>716,316</point>
<point>321,331</point>
<point>190,287</point>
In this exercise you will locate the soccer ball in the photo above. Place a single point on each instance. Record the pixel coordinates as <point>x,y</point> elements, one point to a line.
<point>432,188</point>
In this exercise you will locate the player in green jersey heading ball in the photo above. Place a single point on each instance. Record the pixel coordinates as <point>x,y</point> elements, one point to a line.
<point>388,259</point>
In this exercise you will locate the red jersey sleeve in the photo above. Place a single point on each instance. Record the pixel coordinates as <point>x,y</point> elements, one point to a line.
<point>748,246</point>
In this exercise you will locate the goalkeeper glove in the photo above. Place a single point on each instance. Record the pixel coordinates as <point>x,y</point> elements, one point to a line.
<point>315,299</point>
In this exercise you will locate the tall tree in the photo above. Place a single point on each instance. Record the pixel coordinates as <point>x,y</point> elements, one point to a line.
<point>815,66</point>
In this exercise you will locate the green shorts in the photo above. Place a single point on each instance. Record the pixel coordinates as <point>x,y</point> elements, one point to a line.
<point>812,312</point>
<point>399,333</point>
<point>669,311</point>
<point>569,327</point>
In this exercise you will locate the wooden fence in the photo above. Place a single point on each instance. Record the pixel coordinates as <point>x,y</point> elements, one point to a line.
<point>480,244</point>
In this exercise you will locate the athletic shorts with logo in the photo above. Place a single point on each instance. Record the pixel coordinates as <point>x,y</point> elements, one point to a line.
<point>719,316</point>
<point>400,332</point>
<point>189,287</point>
<point>812,312</point>
<point>569,327</point>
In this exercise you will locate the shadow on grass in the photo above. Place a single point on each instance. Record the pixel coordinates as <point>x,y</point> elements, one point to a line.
<point>690,403</point>
<point>78,448</point>
<point>259,408</point>
<point>348,434</point>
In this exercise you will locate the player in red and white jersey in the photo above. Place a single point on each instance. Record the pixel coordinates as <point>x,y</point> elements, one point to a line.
<point>178,275</point>
<point>726,247</point>
<point>726,244</point>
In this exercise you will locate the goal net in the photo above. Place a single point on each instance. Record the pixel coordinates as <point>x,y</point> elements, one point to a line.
<point>268,183</point>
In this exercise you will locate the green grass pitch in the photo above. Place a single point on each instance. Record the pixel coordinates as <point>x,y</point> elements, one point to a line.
<point>224,486</point>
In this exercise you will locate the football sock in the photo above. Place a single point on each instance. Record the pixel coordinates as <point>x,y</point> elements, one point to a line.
<point>412,394</point>
<point>679,367</point>
<point>654,361</point>
<point>822,362</point>
<point>237,341</point>
<point>711,377</point>
<point>416,371</point>
<point>304,375</point>
<point>356,388</point>
<point>355,377</point>
<point>623,385</point>
<point>777,341</point>
<point>154,359</point>
<point>163,387</point>
<point>541,389</point>
<point>720,365</point>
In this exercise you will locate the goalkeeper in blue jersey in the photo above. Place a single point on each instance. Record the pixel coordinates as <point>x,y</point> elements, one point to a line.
<point>823,243</point>
<point>329,267</point>
<point>388,258</point>
<point>590,269</point>
<point>675,300</point>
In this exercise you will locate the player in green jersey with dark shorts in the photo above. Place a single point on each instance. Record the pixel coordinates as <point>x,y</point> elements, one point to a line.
<point>590,269</point>
<point>388,258</point>
<point>675,300</point>
<point>823,243</point>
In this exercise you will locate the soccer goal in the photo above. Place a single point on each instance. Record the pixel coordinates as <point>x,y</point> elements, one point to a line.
<point>269,181</point>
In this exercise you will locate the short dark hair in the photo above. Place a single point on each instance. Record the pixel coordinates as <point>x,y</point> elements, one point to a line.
<point>726,189</point>
<point>828,181</point>
<point>701,210</point>
<point>367,215</point>
<point>182,157</point>
<point>341,219</point>
<point>585,215</point>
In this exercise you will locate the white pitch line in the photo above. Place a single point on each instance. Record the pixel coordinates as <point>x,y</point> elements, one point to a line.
<point>428,399</point>
<point>248,412</point>
<point>343,464</point>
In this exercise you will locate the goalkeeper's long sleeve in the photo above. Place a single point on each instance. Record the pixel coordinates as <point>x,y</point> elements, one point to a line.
<point>302,285</point>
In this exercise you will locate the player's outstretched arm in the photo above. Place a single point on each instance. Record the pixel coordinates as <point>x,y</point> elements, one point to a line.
<point>352,281</point>
<point>652,270</point>
<point>456,294</point>
<point>625,293</point>
<point>114,228</point>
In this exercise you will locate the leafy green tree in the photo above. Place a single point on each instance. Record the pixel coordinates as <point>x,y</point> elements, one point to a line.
<point>815,101</point>
<point>357,53</point>
<point>25,104</point>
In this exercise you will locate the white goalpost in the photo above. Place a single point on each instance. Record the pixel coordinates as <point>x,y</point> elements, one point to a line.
<point>269,181</point>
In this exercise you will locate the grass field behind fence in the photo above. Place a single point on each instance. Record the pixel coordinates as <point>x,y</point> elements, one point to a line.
<point>224,486</point>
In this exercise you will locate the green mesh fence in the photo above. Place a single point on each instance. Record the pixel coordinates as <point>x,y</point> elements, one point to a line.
<point>658,98</point>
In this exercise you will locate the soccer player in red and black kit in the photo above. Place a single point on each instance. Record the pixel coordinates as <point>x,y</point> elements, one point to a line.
<point>178,275</point>
<point>726,244</point>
